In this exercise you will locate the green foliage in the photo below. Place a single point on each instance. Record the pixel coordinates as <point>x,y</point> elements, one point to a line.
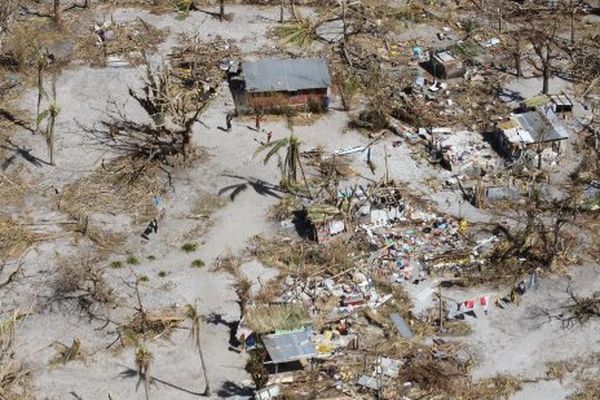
<point>197,263</point>
<point>144,279</point>
<point>300,34</point>
<point>116,264</point>
<point>151,257</point>
<point>132,260</point>
<point>189,247</point>
<point>255,366</point>
<point>162,274</point>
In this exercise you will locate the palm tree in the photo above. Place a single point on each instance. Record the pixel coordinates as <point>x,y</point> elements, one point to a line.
<point>50,114</point>
<point>191,312</point>
<point>42,63</point>
<point>292,162</point>
<point>143,359</point>
<point>281,5</point>
<point>56,10</point>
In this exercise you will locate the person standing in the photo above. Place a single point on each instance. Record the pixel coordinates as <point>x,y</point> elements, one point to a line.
<point>257,121</point>
<point>269,136</point>
<point>228,119</point>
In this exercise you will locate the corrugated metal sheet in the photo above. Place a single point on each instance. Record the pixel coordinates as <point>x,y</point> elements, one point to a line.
<point>541,125</point>
<point>287,347</point>
<point>401,325</point>
<point>276,75</point>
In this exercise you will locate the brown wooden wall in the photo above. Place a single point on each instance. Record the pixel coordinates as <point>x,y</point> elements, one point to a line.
<point>282,99</point>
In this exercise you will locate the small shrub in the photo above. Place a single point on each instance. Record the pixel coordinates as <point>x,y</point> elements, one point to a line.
<point>189,247</point>
<point>162,274</point>
<point>131,260</point>
<point>143,278</point>
<point>197,263</point>
<point>151,257</point>
<point>116,265</point>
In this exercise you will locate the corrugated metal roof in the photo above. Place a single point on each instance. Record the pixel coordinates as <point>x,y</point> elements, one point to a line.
<point>291,346</point>
<point>541,125</point>
<point>275,75</point>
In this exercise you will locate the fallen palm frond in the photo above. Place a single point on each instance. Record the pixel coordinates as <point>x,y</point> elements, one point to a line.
<point>66,353</point>
<point>15,238</point>
<point>14,378</point>
<point>284,208</point>
<point>269,318</point>
<point>12,190</point>
<point>151,325</point>
<point>301,33</point>
<point>302,258</point>
<point>113,190</point>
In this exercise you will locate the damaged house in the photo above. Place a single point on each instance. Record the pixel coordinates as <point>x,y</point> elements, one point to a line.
<point>445,65</point>
<point>277,83</point>
<point>530,130</point>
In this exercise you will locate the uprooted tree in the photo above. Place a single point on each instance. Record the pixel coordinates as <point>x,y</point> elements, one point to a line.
<point>172,113</point>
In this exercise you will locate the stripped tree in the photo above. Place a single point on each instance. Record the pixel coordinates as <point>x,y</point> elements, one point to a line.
<point>194,317</point>
<point>173,115</point>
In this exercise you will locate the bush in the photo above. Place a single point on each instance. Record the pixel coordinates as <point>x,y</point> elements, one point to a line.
<point>116,265</point>
<point>131,260</point>
<point>189,247</point>
<point>197,263</point>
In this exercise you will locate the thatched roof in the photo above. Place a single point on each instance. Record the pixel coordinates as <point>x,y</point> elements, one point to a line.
<point>268,318</point>
<point>322,213</point>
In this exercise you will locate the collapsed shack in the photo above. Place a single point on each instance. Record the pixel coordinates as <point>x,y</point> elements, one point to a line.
<point>536,131</point>
<point>202,65</point>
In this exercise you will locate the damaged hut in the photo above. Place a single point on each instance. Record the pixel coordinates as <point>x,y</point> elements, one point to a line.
<point>531,130</point>
<point>271,84</point>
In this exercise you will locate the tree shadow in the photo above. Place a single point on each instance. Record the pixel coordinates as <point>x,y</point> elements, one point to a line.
<point>7,115</point>
<point>259,186</point>
<point>511,95</point>
<point>24,153</point>
<point>232,389</point>
<point>217,319</point>
<point>129,373</point>
<point>303,225</point>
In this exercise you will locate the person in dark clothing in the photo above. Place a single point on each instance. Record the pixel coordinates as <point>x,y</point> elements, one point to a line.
<point>228,119</point>
<point>257,121</point>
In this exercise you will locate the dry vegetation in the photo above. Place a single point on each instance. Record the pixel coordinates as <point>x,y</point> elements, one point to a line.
<point>14,375</point>
<point>15,238</point>
<point>118,188</point>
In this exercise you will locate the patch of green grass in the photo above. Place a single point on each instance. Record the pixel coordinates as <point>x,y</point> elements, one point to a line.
<point>162,274</point>
<point>151,257</point>
<point>197,263</point>
<point>116,265</point>
<point>143,278</point>
<point>132,260</point>
<point>189,247</point>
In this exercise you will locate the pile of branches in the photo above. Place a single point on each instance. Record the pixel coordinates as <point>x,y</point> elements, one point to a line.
<point>84,284</point>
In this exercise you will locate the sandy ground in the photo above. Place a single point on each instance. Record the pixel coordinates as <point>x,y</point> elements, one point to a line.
<point>515,340</point>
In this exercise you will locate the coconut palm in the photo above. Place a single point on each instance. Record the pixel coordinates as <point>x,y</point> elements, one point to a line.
<point>41,63</point>
<point>291,163</point>
<point>50,114</point>
<point>191,312</point>
<point>143,359</point>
